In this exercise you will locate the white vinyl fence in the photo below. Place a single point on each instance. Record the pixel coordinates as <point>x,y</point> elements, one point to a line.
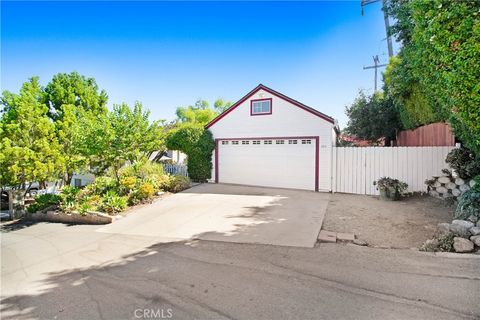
<point>355,168</point>
<point>176,169</point>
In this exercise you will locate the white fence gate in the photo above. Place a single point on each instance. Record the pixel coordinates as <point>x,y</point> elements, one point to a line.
<point>175,169</point>
<point>355,168</point>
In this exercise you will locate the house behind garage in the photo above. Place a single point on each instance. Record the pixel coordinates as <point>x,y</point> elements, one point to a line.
<point>269,139</point>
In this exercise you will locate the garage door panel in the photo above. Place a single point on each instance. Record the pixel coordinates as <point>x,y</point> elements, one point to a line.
<point>283,165</point>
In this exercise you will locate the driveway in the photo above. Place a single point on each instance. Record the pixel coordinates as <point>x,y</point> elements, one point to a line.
<point>231,213</point>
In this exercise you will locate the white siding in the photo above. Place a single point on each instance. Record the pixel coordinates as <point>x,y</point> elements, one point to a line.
<point>286,120</point>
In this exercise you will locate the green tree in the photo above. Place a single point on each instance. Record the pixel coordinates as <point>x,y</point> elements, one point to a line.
<point>197,143</point>
<point>372,118</point>
<point>199,113</point>
<point>221,105</point>
<point>123,135</point>
<point>71,96</point>
<point>441,50</point>
<point>74,89</point>
<point>29,148</point>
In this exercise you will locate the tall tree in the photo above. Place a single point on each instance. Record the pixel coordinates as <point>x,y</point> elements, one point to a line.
<point>71,96</point>
<point>29,148</point>
<point>123,135</point>
<point>200,113</point>
<point>441,50</point>
<point>221,105</point>
<point>372,118</point>
<point>74,89</point>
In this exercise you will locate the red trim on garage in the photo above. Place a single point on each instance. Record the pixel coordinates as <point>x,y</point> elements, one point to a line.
<point>277,94</point>
<point>260,113</point>
<point>216,160</point>
<point>317,151</point>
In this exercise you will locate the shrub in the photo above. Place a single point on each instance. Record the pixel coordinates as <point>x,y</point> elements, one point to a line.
<point>145,191</point>
<point>177,184</point>
<point>445,242</point>
<point>69,198</point>
<point>142,169</point>
<point>90,203</point>
<point>101,186</point>
<point>391,185</point>
<point>127,184</point>
<point>44,201</point>
<point>463,161</point>
<point>198,144</point>
<point>442,243</point>
<point>112,203</point>
<point>469,202</point>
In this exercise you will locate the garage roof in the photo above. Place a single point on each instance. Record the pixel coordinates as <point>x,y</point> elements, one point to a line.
<point>277,94</point>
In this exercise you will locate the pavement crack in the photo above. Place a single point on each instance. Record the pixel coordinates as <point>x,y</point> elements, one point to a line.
<point>342,286</point>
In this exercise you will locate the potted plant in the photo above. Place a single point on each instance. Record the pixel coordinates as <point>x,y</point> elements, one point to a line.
<point>390,189</point>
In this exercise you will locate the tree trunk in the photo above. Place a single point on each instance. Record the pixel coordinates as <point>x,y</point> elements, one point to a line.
<point>16,203</point>
<point>68,179</point>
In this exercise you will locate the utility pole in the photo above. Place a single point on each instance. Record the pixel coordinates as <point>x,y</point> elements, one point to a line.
<point>385,18</point>
<point>375,66</point>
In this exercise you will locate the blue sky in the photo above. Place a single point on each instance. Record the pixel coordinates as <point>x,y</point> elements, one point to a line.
<point>168,54</point>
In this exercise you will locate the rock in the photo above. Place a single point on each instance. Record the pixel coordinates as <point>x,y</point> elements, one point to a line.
<point>459,181</point>
<point>475,231</point>
<point>473,219</point>
<point>451,185</point>
<point>475,240</point>
<point>471,183</point>
<point>360,242</point>
<point>466,224</point>
<point>444,179</point>
<point>462,245</point>
<point>327,236</point>
<point>478,223</point>
<point>441,190</point>
<point>434,193</point>
<point>437,184</point>
<point>459,230</point>
<point>456,192</point>
<point>443,228</point>
<point>345,236</point>
<point>464,187</point>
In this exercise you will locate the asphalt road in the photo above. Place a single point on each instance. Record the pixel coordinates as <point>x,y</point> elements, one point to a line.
<point>77,273</point>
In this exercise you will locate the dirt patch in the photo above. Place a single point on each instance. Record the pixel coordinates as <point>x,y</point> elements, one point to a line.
<point>394,224</point>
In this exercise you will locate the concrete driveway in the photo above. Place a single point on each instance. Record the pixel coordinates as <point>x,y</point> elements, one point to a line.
<point>230,213</point>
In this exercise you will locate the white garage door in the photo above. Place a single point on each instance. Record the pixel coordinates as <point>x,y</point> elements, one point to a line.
<point>275,162</point>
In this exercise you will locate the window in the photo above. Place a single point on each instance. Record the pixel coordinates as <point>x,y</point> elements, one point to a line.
<point>224,142</point>
<point>279,142</point>
<point>307,141</point>
<point>267,141</point>
<point>234,142</point>
<point>256,141</point>
<point>292,141</point>
<point>245,142</point>
<point>261,106</point>
<point>77,183</point>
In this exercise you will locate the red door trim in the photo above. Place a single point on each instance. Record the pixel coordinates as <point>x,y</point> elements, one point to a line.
<point>317,151</point>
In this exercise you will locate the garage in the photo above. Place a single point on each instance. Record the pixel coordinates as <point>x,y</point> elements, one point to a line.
<point>268,139</point>
<point>282,162</point>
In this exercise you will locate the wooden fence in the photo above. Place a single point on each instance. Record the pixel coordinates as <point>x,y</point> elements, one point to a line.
<point>434,134</point>
<point>355,168</point>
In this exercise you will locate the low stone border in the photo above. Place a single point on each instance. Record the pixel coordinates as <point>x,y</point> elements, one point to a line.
<point>447,186</point>
<point>55,216</point>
